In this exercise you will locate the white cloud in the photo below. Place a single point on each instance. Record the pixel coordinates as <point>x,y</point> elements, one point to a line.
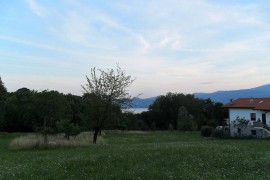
<point>202,41</point>
<point>173,40</point>
<point>36,8</point>
<point>145,45</point>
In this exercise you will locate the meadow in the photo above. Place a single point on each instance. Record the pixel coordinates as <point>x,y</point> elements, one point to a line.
<point>141,155</point>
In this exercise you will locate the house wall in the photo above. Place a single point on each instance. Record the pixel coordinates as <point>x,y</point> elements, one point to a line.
<point>245,113</point>
<point>245,131</point>
<point>234,113</point>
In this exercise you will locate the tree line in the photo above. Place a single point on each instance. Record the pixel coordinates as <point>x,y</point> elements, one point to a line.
<point>182,112</point>
<point>100,107</point>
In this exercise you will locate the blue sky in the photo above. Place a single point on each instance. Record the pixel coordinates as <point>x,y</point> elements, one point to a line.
<point>167,45</point>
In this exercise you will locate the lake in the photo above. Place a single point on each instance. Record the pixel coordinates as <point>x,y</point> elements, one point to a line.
<point>136,110</point>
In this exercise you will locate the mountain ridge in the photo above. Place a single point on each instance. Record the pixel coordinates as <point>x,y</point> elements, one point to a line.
<point>225,96</point>
<point>143,103</point>
<point>217,96</point>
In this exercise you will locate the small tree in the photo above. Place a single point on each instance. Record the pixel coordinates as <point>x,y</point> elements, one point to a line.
<point>185,121</point>
<point>51,106</point>
<point>106,89</point>
<point>242,123</point>
<point>182,123</point>
<point>68,128</point>
<point>170,128</point>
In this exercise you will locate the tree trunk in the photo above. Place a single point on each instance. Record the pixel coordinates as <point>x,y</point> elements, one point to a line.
<point>45,138</point>
<point>45,133</point>
<point>99,132</point>
<point>95,135</point>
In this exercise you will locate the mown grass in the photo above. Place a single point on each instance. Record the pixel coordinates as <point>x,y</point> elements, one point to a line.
<point>151,155</point>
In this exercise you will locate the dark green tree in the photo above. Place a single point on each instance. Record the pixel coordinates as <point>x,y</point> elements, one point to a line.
<point>3,95</point>
<point>185,120</point>
<point>105,90</point>
<point>51,108</point>
<point>20,110</point>
<point>68,128</point>
<point>3,89</point>
<point>199,112</point>
<point>74,109</point>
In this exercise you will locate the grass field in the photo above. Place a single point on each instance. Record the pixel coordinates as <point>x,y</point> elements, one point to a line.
<point>151,155</point>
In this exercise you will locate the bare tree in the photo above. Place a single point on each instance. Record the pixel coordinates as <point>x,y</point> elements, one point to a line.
<point>105,90</point>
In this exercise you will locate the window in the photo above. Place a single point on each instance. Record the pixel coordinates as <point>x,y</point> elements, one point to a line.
<point>253,116</point>
<point>239,130</point>
<point>253,132</point>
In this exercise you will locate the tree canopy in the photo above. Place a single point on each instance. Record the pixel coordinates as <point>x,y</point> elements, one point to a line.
<point>2,87</point>
<point>3,94</point>
<point>107,89</point>
<point>100,107</point>
<point>176,108</point>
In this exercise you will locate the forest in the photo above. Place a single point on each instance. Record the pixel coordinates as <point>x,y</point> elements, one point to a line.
<point>28,110</point>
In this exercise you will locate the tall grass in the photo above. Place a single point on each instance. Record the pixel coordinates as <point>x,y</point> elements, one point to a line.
<point>32,141</point>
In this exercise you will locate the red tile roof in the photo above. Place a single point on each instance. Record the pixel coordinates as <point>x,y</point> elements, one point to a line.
<point>253,103</point>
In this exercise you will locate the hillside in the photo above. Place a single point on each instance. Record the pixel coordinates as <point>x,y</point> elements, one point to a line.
<point>218,96</point>
<point>143,103</point>
<point>225,96</point>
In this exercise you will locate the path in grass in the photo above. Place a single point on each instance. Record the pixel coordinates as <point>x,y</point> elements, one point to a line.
<point>152,155</point>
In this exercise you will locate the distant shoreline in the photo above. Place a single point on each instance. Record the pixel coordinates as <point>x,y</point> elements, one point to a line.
<point>136,110</point>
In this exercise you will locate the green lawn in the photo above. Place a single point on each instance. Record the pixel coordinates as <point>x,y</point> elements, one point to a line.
<point>153,155</point>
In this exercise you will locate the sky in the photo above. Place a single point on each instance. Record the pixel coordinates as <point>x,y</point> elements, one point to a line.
<point>182,46</point>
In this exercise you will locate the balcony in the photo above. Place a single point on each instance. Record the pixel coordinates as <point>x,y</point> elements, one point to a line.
<point>258,124</point>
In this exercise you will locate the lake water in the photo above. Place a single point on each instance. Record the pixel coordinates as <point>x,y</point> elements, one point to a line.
<point>136,110</point>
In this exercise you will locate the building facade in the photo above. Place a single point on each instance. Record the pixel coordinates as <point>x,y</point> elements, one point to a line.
<point>249,117</point>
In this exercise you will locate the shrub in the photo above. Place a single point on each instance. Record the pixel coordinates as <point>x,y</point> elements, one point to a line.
<point>212,122</point>
<point>207,131</point>
<point>170,128</point>
<point>153,126</point>
<point>220,133</point>
<point>70,129</point>
<point>142,125</point>
<point>187,125</point>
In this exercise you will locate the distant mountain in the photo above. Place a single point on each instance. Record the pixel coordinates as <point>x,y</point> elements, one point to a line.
<point>143,103</point>
<point>219,96</point>
<point>225,96</point>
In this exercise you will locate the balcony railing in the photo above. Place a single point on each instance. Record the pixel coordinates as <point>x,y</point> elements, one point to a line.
<point>258,124</point>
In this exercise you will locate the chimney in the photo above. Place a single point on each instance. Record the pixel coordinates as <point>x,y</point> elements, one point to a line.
<point>231,100</point>
<point>251,100</point>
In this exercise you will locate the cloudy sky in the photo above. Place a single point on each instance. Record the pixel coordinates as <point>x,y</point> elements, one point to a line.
<point>182,46</point>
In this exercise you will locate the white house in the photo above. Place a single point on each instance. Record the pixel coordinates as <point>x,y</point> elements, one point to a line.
<point>249,117</point>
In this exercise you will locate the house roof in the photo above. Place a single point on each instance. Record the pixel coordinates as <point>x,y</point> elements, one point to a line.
<point>251,103</point>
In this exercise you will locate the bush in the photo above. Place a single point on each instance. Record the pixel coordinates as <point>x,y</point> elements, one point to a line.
<point>207,131</point>
<point>142,125</point>
<point>170,128</point>
<point>70,129</point>
<point>219,133</point>
<point>188,124</point>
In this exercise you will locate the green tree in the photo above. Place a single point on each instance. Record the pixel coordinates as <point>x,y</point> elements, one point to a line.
<point>106,89</point>
<point>20,110</point>
<point>3,89</point>
<point>68,128</point>
<point>185,120</point>
<point>3,95</point>
<point>51,108</point>
<point>200,112</point>
<point>74,109</point>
